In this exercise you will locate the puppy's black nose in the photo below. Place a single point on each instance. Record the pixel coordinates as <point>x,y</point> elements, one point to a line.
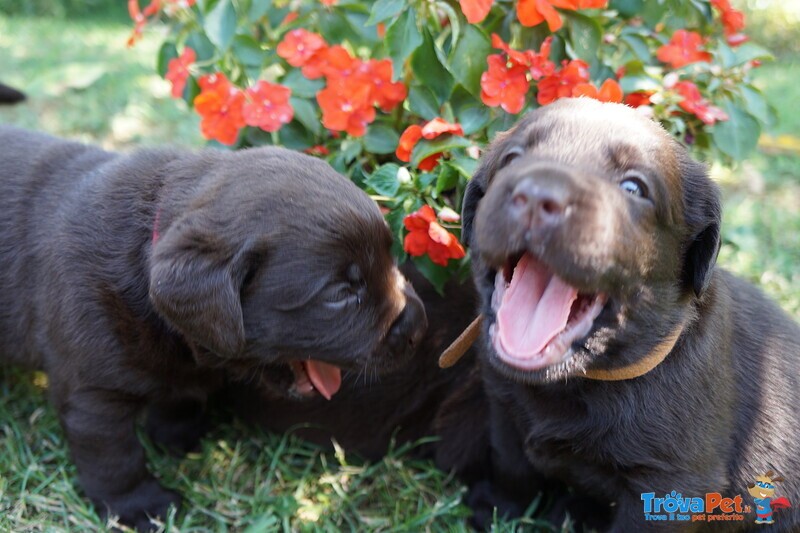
<point>408,329</point>
<point>538,204</point>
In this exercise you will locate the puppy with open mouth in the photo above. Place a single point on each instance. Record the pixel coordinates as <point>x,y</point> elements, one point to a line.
<point>618,359</point>
<point>140,282</point>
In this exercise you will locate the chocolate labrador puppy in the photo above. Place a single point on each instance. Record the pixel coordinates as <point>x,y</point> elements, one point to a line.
<point>617,358</point>
<point>412,401</point>
<point>140,281</point>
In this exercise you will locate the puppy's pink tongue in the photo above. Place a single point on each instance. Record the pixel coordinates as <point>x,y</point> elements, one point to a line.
<point>534,309</point>
<point>326,378</point>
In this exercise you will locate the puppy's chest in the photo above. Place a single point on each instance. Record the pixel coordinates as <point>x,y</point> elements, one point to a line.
<point>566,438</point>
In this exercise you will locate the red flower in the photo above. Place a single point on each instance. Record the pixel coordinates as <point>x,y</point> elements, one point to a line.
<point>476,10</point>
<point>737,39</point>
<point>431,130</point>
<point>683,49</point>
<point>140,17</point>
<point>178,71</point>
<point>732,19</point>
<point>333,62</point>
<point>591,4</point>
<point>533,12</point>
<point>638,99</point>
<point>439,126</point>
<point>426,236</point>
<point>693,102</point>
<point>346,106</point>
<point>386,94</point>
<point>298,46</point>
<point>318,150</point>
<point>219,104</point>
<point>561,83</point>
<point>290,17</point>
<point>328,2</point>
<point>408,139</point>
<point>610,91</point>
<point>504,86</point>
<point>538,63</point>
<point>268,106</point>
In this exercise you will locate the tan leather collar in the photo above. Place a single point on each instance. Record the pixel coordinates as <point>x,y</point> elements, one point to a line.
<point>460,346</point>
<point>643,365</point>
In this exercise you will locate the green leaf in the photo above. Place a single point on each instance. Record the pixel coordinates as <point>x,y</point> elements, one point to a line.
<point>248,51</point>
<point>502,123</point>
<point>747,52</point>
<point>384,180</point>
<point>385,9</point>
<point>738,135</point>
<point>395,220</point>
<point>437,275</point>
<point>757,105</point>
<point>258,8</point>
<point>466,166</point>
<point>468,58</point>
<point>638,82</point>
<point>306,113</point>
<point>430,71</point>
<point>167,52</point>
<point>402,39</point>
<point>381,139</point>
<point>351,149</point>
<point>585,35</point>
<point>302,86</point>
<point>220,24</point>
<point>295,136</point>
<point>443,143</point>
<point>422,102</point>
<point>191,91</point>
<point>198,42</point>
<point>337,26</point>
<point>638,45</point>
<point>448,178</point>
<point>473,118</point>
<point>627,8</point>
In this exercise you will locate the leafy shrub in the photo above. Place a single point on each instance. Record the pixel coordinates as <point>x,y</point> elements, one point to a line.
<point>400,95</point>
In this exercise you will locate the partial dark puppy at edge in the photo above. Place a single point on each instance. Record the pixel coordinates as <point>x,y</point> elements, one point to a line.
<point>594,238</point>
<point>9,95</point>
<point>141,281</point>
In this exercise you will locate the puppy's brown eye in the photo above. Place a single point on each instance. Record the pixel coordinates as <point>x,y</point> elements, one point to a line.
<point>633,184</point>
<point>340,296</point>
<point>512,154</point>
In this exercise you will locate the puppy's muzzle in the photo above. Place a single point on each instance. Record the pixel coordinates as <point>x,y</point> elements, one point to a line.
<point>540,202</point>
<point>410,325</point>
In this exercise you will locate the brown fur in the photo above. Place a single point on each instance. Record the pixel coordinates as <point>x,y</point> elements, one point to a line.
<point>715,413</point>
<point>262,257</point>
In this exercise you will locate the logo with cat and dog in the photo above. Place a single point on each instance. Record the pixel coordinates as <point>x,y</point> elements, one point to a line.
<point>713,507</point>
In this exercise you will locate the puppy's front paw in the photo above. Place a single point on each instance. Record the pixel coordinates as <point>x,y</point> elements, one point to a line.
<point>483,498</point>
<point>177,426</point>
<point>136,507</point>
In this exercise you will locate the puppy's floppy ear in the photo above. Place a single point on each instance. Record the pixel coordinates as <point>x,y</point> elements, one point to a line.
<point>195,281</point>
<point>472,196</point>
<point>703,214</point>
<point>477,186</point>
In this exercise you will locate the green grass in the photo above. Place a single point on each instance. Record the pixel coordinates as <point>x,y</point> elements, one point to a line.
<point>85,84</point>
